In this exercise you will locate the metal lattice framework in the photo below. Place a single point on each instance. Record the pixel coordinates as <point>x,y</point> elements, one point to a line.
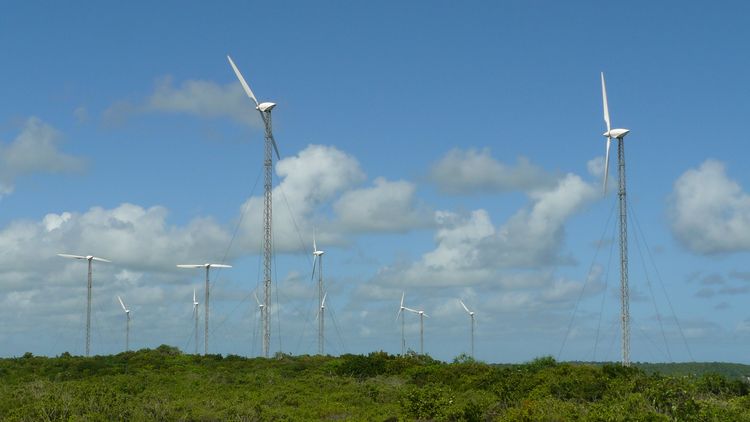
<point>267,235</point>
<point>624,288</point>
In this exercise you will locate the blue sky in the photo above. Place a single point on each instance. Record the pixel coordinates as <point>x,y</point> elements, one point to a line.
<point>442,149</point>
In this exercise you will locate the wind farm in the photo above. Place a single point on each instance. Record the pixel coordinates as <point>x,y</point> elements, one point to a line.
<point>290,172</point>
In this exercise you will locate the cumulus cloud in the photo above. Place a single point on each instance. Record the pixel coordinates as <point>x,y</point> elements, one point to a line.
<point>132,236</point>
<point>313,177</point>
<point>709,212</point>
<point>49,291</point>
<point>385,207</point>
<point>472,171</point>
<point>470,249</point>
<point>534,235</point>
<point>194,97</point>
<point>320,178</point>
<point>35,150</point>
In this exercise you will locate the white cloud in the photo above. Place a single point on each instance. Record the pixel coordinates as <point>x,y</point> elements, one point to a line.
<point>132,236</point>
<point>709,212</point>
<point>34,150</point>
<point>49,291</point>
<point>470,249</point>
<point>534,235</point>
<point>595,167</point>
<point>310,179</point>
<point>385,207</point>
<point>194,97</point>
<point>473,171</point>
<point>317,178</point>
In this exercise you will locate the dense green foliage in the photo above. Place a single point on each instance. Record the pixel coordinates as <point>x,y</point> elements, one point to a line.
<point>164,384</point>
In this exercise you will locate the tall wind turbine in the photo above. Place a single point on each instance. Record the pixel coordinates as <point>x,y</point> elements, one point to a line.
<point>205,306</point>
<point>401,314</point>
<point>471,314</point>
<point>195,316</point>
<point>127,324</point>
<point>619,134</point>
<point>265,113</point>
<point>318,257</point>
<point>422,316</point>
<point>88,258</point>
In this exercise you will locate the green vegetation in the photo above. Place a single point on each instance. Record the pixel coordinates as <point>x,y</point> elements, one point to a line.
<point>164,384</point>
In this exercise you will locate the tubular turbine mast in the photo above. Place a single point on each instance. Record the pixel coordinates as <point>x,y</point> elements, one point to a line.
<point>265,113</point>
<point>88,258</point>
<point>619,134</point>
<point>318,259</point>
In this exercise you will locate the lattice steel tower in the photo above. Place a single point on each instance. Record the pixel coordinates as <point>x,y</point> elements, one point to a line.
<point>265,113</point>
<point>619,134</point>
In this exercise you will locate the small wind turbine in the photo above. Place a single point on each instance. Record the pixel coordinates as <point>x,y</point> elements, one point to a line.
<point>471,314</point>
<point>205,307</point>
<point>265,113</point>
<point>318,256</point>
<point>321,320</point>
<point>619,134</point>
<point>88,258</point>
<point>195,316</point>
<point>401,314</point>
<point>422,316</point>
<point>127,324</point>
<point>261,308</point>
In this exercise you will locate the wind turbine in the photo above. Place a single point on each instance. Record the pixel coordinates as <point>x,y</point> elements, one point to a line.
<point>318,256</point>
<point>422,316</point>
<point>401,314</point>
<point>471,314</point>
<point>88,258</point>
<point>205,307</point>
<point>195,316</point>
<point>261,307</point>
<point>265,113</point>
<point>321,316</point>
<point>619,134</point>
<point>127,324</point>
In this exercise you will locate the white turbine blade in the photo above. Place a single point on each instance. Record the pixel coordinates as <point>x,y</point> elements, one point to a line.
<point>94,258</point>
<point>465,308</point>
<point>315,246</point>
<point>411,310</point>
<point>275,148</point>
<point>315,260</point>
<point>606,164</point>
<point>604,101</point>
<point>219,266</point>
<point>190,265</point>
<point>323,303</point>
<point>402,299</point>
<point>194,302</point>
<point>65,255</point>
<point>122,304</point>
<point>245,86</point>
<point>256,299</point>
<point>427,316</point>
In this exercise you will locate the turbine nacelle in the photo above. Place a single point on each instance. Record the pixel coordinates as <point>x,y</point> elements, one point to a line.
<point>616,133</point>
<point>265,107</point>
